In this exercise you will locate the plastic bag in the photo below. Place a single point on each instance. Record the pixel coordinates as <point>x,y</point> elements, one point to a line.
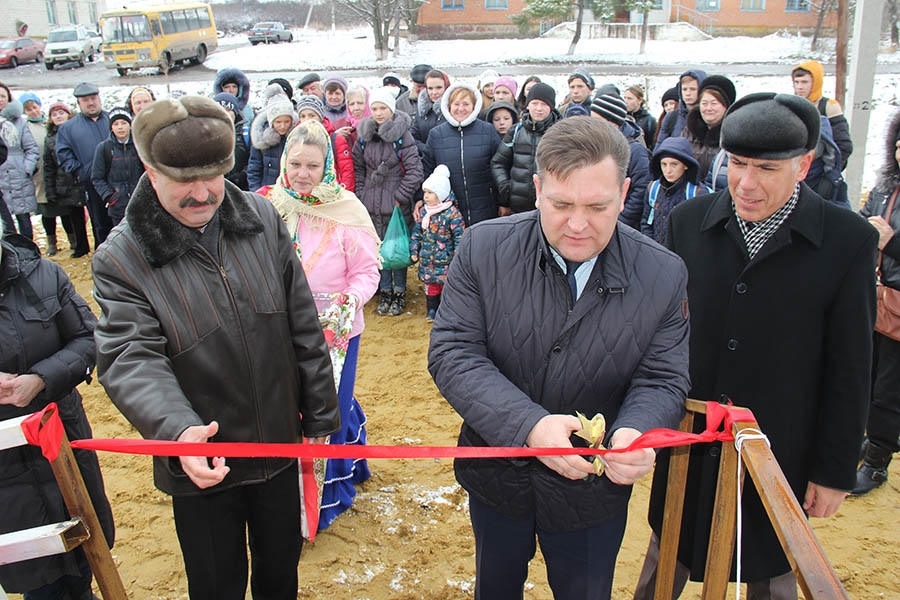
<point>395,247</point>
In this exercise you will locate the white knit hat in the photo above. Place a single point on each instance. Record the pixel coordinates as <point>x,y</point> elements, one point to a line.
<point>277,103</point>
<point>438,182</point>
<point>385,95</point>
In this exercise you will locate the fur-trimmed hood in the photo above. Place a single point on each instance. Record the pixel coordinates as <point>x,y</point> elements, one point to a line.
<point>162,239</point>
<point>263,137</point>
<point>445,105</point>
<point>425,104</point>
<point>236,75</point>
<point>889,175</point>
<point>389,131</point>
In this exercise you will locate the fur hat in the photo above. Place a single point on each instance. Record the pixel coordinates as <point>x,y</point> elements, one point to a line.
<point>312,103</point>
<point>770,126</point>
<point>185,139</point>
<point>384,95</point>
<point>438,182</point>
<point>418,73</point>
<point>117,113</point>
<point>307,79</point>
<point>583,75</point>
<point>277,104</point>
<point>509,83</point>
<point>543,92</point>
<point>721,87</point>
<point>669,94</point>
<point>612,108</point>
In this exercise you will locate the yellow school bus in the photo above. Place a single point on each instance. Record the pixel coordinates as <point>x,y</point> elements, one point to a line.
<point>157,36</point>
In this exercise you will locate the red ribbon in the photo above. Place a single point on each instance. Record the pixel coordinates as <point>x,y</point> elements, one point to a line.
<point>717,415</point>
<point>47,435</point>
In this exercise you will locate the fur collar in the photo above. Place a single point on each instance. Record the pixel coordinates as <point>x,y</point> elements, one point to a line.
<point>162,239</point>
<point>263,137</point>
<point>703,133</point>
<point>889,175</point>
<point>389,131</point>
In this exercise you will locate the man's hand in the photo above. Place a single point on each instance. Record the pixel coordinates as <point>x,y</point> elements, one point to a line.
<point>627,467</point>
<point>345,131</point>
<point>821,501</point>
<point>197,467</point>
<point>885,231</point>
<point>504,211</point>
<point>553,431</point>
<point>19,390</point>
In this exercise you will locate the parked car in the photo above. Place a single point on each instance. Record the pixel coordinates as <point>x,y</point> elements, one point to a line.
<point>72,43</point>
<point>15,51</point>
<point>270,32</point>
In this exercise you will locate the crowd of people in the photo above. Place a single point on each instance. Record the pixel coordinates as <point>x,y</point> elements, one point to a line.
<point>236,246</point>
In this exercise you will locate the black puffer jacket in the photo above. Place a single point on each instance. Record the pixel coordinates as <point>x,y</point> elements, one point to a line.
<point>466,148</point>
<point>52,338</point>
<point>639,172</point>
<point>880,197</point>
<point>186,338</point>
<point>507,355</point>
<point>59,186</point>
<point>647,123</point>
<point>513,164</point>
<point>115,172</point>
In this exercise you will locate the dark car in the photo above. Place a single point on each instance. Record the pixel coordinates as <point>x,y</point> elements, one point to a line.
<point>270,32</point>
<point>15,51</point>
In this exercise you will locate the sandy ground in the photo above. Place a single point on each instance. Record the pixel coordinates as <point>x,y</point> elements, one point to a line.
<point>408,534</point>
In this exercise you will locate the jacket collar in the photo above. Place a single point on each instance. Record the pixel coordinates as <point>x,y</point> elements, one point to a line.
<point>609,270</point>
<point>807,220</point>
<point>162,239</point>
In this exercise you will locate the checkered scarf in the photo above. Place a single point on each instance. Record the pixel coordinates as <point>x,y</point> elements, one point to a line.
<point>756,234</point>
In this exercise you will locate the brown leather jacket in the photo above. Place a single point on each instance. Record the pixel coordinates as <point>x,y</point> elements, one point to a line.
<point>186,337</point>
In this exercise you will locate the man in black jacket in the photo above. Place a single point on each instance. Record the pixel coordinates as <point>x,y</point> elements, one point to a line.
<point>546,313</point>
<point>782,301</point>
<point>209,330</point>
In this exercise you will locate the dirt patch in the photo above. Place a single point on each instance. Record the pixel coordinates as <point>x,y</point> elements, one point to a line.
<point>408,535</point>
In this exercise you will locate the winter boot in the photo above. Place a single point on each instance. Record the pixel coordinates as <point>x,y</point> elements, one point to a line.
<point>432,303</point>
<point>873,471</point>
<point>384,303</point>
<point>398,304</point>
<point>51,245</point>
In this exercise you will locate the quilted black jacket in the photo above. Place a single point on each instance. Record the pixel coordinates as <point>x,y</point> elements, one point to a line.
<point>507,348</point>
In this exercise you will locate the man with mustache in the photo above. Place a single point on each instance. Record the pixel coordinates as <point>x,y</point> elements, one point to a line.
<point>209,330</point>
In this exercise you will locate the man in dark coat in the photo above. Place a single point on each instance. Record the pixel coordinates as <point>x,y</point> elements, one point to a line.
<point>209,329</point>
<point>546,313</point>
<point>782,295</point>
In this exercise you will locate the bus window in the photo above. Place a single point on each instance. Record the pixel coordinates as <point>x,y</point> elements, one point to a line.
<point>192,20</point>
<point>203,13</point>
<point>127,29</point>
<point>168,22</point>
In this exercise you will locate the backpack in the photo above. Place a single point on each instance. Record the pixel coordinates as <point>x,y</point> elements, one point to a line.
<point>824,176</point>
<point>690,190</point>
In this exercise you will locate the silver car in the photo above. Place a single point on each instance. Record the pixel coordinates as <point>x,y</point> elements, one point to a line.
<point>270,32</point>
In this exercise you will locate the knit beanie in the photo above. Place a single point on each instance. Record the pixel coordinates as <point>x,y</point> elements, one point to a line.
<point>227,101</point>
<point>608,88</point>
<point>543,92</point>
<point>117,113</point>
<point>340,81</point>
<point>60,106</point>
<point>277,104</point>
<point>285,86</point>
<point>577,110</point>
<point>509,83</point>
<point>391,79</point>
<point>384,95</point>
<point>438,182</point>
<point>29,96</point>
<point>610,107</point>
<point>313,103</point>
<point>487,76</point>
<point>669,94</point>
<point>186,139</point>
<point>721,87</point>
<point>583,75</point>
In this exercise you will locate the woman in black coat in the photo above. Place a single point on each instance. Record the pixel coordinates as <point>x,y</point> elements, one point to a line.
<point>48,348</point>
<point>466,145</point>
<point>883,426</point>
<point>65,198</point>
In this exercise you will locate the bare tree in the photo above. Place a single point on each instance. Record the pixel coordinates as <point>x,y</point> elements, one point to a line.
<point>380,15</point>
<point>575,38</point>
<point>824,7</point>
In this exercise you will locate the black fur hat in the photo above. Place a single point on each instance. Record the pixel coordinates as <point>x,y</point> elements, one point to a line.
<point>770,126</point>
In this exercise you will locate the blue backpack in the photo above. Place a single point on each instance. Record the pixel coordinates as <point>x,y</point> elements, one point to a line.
<point>690,190</point>
<point>824,176</point>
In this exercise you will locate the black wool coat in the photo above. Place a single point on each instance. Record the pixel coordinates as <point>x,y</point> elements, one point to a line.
<point>787,335</point>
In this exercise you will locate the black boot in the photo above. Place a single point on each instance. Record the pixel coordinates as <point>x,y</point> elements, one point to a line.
<point>398,304</point>
<point>873,471</point>
<point>432,303</point>
<point>51,245</point>
<point>384,303</point>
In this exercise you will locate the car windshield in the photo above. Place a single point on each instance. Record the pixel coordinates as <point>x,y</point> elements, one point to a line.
<point>7,44</point>
<point>62,36</point>
<point>264,26</point>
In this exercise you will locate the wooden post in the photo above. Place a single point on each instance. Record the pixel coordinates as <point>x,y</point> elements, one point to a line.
<point>78,502</point>
<point>722,527</point>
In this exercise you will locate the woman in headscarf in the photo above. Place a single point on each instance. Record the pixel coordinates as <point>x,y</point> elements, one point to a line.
<point>338,247</point>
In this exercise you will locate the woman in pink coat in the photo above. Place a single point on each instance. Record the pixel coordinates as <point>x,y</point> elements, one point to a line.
<point>338,247</point>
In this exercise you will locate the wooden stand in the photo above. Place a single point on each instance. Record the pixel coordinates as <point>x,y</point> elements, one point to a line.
<point>814,573</point>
